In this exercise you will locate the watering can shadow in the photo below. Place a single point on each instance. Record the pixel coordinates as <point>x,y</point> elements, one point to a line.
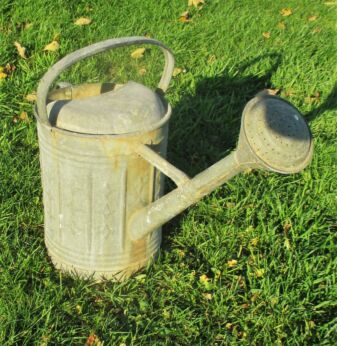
<point>102,154</point>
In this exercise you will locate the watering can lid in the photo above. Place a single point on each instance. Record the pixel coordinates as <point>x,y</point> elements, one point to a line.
<point>128,108</point>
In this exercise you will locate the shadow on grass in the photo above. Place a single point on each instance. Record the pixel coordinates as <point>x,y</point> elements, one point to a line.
<point>329,104</point>
<point>205,126</point>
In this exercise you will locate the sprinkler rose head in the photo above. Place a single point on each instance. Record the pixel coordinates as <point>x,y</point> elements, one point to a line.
<point>276,134</point>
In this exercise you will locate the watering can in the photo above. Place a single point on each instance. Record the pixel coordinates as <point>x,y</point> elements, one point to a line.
<point>102,156</point>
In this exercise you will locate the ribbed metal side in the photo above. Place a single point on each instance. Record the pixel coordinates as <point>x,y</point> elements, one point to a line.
<point>87,204</point>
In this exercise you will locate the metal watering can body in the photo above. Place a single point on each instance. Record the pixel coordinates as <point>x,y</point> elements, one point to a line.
<point>102,155</point>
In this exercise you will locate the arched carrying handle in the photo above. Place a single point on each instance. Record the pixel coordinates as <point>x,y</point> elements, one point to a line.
<point>72,58</point>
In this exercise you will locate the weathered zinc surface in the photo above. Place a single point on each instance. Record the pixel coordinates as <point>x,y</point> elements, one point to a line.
<point>102,153</point>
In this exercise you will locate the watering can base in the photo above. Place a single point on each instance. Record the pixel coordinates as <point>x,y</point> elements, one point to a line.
<point>100,276</point>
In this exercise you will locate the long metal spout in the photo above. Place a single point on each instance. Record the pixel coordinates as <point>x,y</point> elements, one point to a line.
<point>190,192</point>
<point>273,136</point>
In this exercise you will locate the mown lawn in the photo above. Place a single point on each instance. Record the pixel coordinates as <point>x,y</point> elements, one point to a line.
<point>255,262</point>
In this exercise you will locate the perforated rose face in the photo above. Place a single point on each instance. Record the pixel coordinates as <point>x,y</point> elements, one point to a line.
<point>277,134</point>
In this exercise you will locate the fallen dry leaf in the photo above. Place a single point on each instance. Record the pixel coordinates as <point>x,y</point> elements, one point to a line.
<point>317,30</point>
<point>254,241</point>
<point>83,21</point>
<point>142,71</point>
<point>176,71</point>
<point>138,53</point>
<point>184,17</point>
<point>52,46</point>
<point>266,34</point>
<point>31,97</point>
<point>28,25</point>
<point>24,117</point>
<point>313,98</point>
<point>273,91</point>
<point>232,263</point>
<point>21,50</point>
<point>203,278</point>
<point>93,340</point>
<point>195,3</point>
<point>268,92</point>
<point>208,296</point>
<point>10,68</point>
<point>312,18</point>
<point>285,12</point>
<point>281,25</point>
<point>259,273</point>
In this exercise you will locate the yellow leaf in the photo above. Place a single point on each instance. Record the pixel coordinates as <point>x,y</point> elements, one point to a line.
<point>203,278</point>
<point>285,12</point>
<point>266,34</point>
<point>259,273</point>
<point>208,296</point>
<point>176,71</point>
<point>83,21</point>
<point>138,53</point>
<point>21,50</point>
<point>254,241</point>
<point>3,75</point>
<point>184,17</point>
<point>31,97</point>
<point>24,117</point>
<point>28,25</point>
<point>281,25</point>
<point>52,46</point>
<point>78,309</point>
<point>232,263</point>
<point>195,3</point>
<point>312,18</point>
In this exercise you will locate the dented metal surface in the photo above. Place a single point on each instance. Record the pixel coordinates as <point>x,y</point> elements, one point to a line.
<point>103,182</point>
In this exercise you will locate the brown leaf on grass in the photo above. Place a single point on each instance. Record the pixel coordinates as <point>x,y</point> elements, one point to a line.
<point>281,25</point>
<point>184,17</point>
<point>268,92</point>
<point>266,34</point>
<point>9,68</point>
<point>31,97</point>
<point>24,117</point>
<point>312,18</point>
<point>138,53</point>
<point>285,12</point>
<point>52,46</point>
<point>286,227</point>
<point>21,50</point>
<point>208,296</point>
<point>82,21</point>
<point>195,3</point>
<point>93,340</point>
<point>313,98</point>
<point>142,71</point>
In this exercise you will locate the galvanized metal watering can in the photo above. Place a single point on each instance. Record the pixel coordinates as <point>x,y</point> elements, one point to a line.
<point>102,154</point>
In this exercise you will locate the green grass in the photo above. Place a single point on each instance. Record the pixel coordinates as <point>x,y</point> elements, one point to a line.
<point>280,229</point>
